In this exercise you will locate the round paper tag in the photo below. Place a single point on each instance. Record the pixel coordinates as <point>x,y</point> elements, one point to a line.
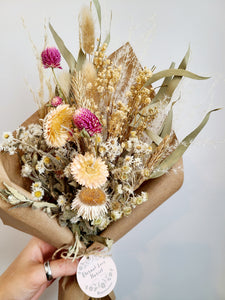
<point>96,275</point>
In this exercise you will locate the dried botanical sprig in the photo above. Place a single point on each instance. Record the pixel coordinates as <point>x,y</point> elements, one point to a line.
<point>87,30</point>
<point>89,72</point>
<point>78,89</point>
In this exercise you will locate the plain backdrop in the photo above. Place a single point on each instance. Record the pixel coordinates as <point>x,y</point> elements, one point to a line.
<point>178,252</point>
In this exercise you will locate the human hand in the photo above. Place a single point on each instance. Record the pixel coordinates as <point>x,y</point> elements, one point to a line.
<point>25,278</point>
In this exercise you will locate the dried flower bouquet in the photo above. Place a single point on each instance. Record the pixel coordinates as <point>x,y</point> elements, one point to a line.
<point>104,132</point>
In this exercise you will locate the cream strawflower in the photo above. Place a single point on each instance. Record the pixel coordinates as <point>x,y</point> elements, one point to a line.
<point>90,203</point>
<point>58,125</point>
<point>89,171</point>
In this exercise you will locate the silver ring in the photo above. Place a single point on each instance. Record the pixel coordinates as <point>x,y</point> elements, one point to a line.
<point>48,271</point>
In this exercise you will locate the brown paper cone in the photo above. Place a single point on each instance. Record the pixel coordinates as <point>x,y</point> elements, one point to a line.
<point>37,223</point>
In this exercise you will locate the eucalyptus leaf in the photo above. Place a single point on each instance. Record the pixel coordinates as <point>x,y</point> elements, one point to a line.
<point>3,196</point>
<point>178,152</point>
<point>170,83</point>
<point>107,39</point>
<point>81,59</point>
<point>173,72</point>
<point>16,194</point>
<point>167,125</point>
<point>162,91</point>
<point>176,80</point>
<point>99,13</point>
<point>64,51</point>
<point>43,204</point>
<point>26,204</point>
<point>184,62</point>
<point>154,137</point>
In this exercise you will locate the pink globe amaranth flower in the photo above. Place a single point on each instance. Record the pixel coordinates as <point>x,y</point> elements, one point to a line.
<point>83,118</point>
<point>51,58</point>
<point>56,101</point>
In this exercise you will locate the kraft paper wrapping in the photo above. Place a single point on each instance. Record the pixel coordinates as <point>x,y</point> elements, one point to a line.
<point>37,223</point>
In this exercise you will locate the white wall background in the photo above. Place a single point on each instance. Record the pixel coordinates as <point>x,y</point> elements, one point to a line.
<point>178,252</point>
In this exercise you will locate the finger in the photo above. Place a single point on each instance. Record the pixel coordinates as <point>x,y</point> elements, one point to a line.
<point>39,250</point>
<point>45,248</point>
<point>63,267</point>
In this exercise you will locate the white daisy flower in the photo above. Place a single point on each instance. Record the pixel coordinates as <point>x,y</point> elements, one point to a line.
<point>25,135</point>
<point>26,170</point>
<point>148,148</point>
<point>46,160</point>
<point>35,185</point>
<point>7,136</point>
<point>138,148</point>
<point>19,130</point>
<point>129,145</point>
<point>12,150</point>
<point>101,223</point>
<point>137,162</point>
<point>119,189</point>
<point>128,189</point>
<point>126,169</point>
<point>38,194</point>
<point>40,167</point>
<point>102,150</point>
<point>116,215</point>
<point>128,159</point>
<point>138,200</point>
<point>104,223</point>
<point>127,210</point>
<point>61,200</point>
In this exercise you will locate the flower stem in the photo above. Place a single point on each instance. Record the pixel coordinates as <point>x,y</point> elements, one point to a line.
<point>64,97</point>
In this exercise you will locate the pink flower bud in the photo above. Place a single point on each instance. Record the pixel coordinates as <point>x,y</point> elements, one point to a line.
<point>56,101</point>
<point>83,118</point>
<point>51,58</point>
